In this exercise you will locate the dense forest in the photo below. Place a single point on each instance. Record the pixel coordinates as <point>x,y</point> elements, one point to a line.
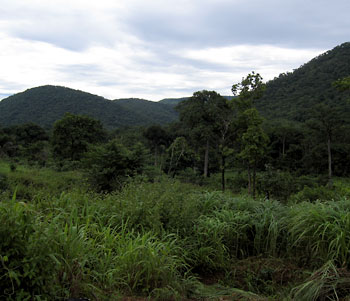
<point>44,105</point>
<point>208,197</point>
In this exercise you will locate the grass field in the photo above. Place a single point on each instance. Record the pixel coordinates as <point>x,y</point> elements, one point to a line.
<point>165,240</point>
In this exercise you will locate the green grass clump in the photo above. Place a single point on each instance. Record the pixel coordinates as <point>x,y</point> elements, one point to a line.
<point>321,231</point>
<point>326,283</point>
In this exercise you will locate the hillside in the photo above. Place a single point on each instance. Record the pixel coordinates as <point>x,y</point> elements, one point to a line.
<point>292,95</point>
<point>155,112</point>
<point>44,105</point>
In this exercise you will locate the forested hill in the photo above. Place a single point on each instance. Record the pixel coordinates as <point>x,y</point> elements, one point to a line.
<point>154,112</point>
<point>292,95</point>
<point>46,104</point>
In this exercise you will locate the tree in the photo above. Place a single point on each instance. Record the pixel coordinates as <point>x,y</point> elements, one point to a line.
<point>156,137</point>
<point>73,133</point>
<point>227,129</point>
<point>180,155</point>
<point>248,90</point>
<point>253,146</point>
<point>107,166</point>
<point>326,121</point>
<point>200,115</point>
<point>342,84</point>
<point>252,137</point>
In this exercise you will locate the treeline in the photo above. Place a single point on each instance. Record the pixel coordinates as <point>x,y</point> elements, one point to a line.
<point>214,134</point>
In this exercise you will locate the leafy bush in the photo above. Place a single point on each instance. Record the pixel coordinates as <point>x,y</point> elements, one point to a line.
<point>313,194</point>
<point>237,182</point>
<point>3,182</point>
<point>109,165</point>
<point>27,270</point>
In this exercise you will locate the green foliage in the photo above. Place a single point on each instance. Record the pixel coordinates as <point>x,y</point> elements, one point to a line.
<point>251,88</point>
<point>3,182</point>
<point>328,282</point>
<point>310,194</point>
<point>180,156</point>
<point>109,165</point>
<point>203,116</point>
<point>155,239</point>
<point>342,84</point>
<point>321,230</point>
<point>46,104</point>
<point>72,135</point>
<point>293,94</point>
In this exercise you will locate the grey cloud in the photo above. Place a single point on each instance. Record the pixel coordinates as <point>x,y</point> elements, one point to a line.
<point>205,23</point>
<point>80,70</point>
<point>288,23</point>
<point>66,28</point>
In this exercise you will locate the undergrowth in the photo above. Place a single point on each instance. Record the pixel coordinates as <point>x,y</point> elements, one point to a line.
<point>165,241</point>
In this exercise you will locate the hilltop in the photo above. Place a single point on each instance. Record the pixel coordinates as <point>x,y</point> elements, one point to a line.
<point>46,104</point>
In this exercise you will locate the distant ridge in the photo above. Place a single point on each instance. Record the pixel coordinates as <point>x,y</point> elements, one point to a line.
<point>46,104</point>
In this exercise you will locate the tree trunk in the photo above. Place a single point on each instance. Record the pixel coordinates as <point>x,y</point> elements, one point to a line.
<point>254,179</point>
<point>330,182</point>
<point>206,159</point>
<point>249,181</point>
<point>283,146</point>
<point>223,172</point>
<point>155,156</point>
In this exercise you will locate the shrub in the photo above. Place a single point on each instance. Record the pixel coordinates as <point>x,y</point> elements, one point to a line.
<point>316,193</point>
<point>3,182</point>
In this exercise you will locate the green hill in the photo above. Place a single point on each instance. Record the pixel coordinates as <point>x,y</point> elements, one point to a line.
<point>293,94</point>
<point>155,112</point>
<point>44,105</point>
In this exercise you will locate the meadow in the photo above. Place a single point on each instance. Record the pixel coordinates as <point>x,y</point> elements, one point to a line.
<point>166,240</point>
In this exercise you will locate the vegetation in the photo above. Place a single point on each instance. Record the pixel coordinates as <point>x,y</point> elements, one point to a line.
<point>165,240</point>
<point>47,104</point>
<point>223,205</point>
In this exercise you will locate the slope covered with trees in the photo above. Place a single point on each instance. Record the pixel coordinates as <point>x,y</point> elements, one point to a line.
<point>44,105</point>
<point>153,112</point>
<point>292,95</point>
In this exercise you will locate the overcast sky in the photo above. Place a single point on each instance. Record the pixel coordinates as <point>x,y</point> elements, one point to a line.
<point>155,49</point>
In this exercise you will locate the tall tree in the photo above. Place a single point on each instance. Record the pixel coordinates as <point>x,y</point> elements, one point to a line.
<point>73,133</point>
<point>253,146</point>
<point>252,137</point>
<point>248,90</point>
<point>326,121</point>
<point>156,137</point>
<point>200,115</point>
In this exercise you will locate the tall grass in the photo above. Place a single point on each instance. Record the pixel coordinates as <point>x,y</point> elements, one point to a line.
<point>321,231</point>
<point>155,239</point>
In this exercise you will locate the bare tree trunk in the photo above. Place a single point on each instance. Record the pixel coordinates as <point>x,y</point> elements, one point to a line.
<point>206,159</point>
<point>249,181</point>
<point>155,156</point>
<point>254,179</point>
<point>283,146</point>
<point>330,182</point>
<point>223,172</point>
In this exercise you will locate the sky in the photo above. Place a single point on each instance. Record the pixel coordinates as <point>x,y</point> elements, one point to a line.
<point>155,49</point>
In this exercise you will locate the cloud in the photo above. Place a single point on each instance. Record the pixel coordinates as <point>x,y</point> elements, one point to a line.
<point>161,48</point>
<point>209,23</point>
